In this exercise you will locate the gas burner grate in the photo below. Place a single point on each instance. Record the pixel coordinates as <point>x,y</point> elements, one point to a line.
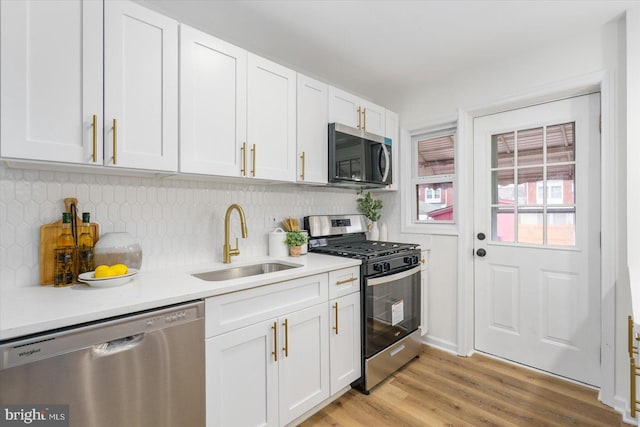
<point>364,249</point>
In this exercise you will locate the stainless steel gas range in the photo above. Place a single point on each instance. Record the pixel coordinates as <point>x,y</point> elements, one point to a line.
<point>390,292</point>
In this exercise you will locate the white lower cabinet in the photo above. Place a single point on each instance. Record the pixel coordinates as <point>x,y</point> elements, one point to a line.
<point>270,373</point>
<point>242,377</point>
<point>273,352</point>
<point>344,341</point>
<point>303,343</point>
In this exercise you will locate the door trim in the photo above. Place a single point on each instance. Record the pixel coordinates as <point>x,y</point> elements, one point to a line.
<point>603,82</point>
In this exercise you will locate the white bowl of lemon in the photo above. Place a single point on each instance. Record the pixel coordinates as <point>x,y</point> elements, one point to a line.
<point>108,275</point>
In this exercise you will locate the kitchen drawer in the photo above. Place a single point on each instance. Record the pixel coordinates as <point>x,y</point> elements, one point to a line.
<point>238,309</point>
<point>344,282</point>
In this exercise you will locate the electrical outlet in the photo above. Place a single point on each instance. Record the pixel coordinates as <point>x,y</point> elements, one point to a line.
<point>272,222</point>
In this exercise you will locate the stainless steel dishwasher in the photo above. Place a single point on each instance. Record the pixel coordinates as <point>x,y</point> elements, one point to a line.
<point>145,369</point>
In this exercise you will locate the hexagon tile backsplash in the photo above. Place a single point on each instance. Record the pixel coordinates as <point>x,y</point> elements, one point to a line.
<point>178,222</point>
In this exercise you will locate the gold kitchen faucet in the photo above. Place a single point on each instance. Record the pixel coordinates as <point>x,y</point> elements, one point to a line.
<point>226,249</point>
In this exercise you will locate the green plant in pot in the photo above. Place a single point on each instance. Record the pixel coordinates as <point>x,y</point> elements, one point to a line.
<point>370,208</point>
<point>295,239</point>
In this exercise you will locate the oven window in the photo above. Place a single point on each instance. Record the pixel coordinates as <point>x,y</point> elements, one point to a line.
<point>392,311</point>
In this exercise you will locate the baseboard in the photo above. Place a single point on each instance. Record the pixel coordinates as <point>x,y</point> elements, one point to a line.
<point>448,346</point>
<point>621,404</point>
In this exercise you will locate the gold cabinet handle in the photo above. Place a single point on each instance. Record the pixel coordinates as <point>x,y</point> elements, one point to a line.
<point>364,120</point>
<point>243,149</point>
<point>275,341</point>
<point>342,282</point>
<point>336,307</point>
<point>422,260</point>
<point>115,141</point>
<point>359,116</point>
<point>253,157</point>
<point>286,338</point>
<point>95,137</point>
<point>302,174</point>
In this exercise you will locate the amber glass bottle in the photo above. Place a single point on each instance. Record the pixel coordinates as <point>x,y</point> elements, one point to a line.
<point>85,246</point>
<point>64,254</point>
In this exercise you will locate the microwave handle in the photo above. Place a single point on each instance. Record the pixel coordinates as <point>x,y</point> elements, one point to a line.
<point>386,162</point>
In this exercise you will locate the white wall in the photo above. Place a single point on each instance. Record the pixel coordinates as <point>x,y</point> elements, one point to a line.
<point>600,49</point>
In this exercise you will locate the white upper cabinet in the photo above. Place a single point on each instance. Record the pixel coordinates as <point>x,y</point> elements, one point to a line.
<point>312,129</point>
<point>141,88</point>
<point>51,80</point>
<point>353,111</point>
<point>213,104</point>
<point>271,120</point>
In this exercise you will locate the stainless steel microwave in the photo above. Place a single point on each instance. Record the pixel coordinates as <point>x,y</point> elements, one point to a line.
<point>358,158</point>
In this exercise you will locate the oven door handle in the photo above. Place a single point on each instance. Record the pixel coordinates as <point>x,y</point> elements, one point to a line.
<point>391,278</point>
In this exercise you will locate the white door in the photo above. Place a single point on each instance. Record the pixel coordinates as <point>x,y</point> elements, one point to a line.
<point>51,80</point>
<point>213,104</point>
<point>242,377</point>
<point>304,361</point>
<point>312,129</point>
<point>141,88</point>
<point>344,341</point>
<point>271,120</point>
<point>537,225</point>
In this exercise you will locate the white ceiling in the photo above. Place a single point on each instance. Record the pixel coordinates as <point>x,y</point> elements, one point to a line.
<point>383,49</point>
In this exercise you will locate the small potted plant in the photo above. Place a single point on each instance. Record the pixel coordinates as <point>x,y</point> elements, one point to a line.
<point>295,240</point>
<point>370,208</point>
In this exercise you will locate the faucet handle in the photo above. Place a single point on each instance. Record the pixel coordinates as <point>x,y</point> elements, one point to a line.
<point>236,248</point>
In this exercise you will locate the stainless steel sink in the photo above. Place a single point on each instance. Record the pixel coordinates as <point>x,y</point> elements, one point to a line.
<point>243,271</point>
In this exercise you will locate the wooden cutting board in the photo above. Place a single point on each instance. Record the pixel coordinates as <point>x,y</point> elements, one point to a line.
<point>48,235</point>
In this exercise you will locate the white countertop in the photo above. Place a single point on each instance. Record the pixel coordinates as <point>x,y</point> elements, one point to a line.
<point>34,309</point>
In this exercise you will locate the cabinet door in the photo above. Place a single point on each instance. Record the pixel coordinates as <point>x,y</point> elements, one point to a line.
<point>344,108</point>
<point>242,377</point>
<point>141,88</point>
<point>304,361</point>
<point>51,80</point>
<point>373,118</point>
<point>345,341</point>
<point>213,104</point>
<point>312,128</point>
<point>271,120</point>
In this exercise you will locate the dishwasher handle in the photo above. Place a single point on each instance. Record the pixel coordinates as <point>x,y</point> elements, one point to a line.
<point>117,346</point>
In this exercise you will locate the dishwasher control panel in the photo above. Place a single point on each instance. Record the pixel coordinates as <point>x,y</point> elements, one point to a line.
<point>97,334</point>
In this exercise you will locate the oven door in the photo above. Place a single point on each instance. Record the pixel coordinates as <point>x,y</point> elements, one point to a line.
<point>392,309</point>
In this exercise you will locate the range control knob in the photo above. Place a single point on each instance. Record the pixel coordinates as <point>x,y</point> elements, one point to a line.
<point>378,267</point>
<point>387,266</point>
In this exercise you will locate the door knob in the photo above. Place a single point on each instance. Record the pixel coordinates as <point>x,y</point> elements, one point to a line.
<point>481,252</point>
<point>481,236</point>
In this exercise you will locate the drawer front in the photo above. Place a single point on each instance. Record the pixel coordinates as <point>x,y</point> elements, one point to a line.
<point>344,282</point>
<point>238,309</point>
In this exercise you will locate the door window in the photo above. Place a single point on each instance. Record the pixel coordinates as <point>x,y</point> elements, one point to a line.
<point>533,198</point>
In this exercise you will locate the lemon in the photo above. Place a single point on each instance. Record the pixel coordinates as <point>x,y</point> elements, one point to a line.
<point>120,269</point>
<point>103,271</point>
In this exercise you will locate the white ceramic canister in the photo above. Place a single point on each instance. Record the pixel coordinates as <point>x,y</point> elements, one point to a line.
<point>277,245</point>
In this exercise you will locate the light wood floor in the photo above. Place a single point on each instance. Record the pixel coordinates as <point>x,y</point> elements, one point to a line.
<point>440,389</point>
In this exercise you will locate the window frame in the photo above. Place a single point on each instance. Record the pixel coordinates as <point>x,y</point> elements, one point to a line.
<point>409,199</point>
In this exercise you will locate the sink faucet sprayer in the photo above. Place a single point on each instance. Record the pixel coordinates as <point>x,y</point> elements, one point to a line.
<point>226,249</point>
